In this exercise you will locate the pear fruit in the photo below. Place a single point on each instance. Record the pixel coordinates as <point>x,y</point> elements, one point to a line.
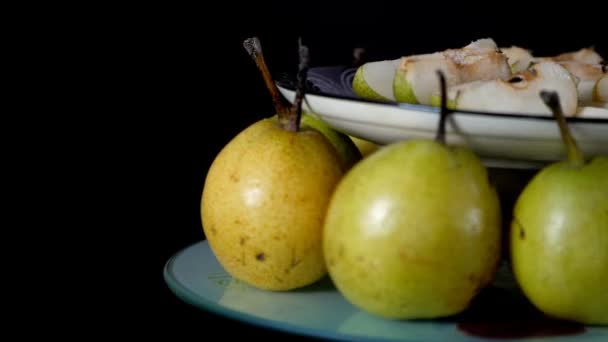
<point>266,194</point>
<point>366,147</point>
<point>585,64</point>
<point>588,75</point>
<point>559,234</point>
<point>600,90</point>
<point>519,59</point>
<point>415,80</point>
<point>347,149</point>
<point>344,145</point>
<point>584,55</point>
<point>519,94</point>
<point>374,80</point>
<point>516,54</point>
<point>413,230</point>
<point>595,112</point>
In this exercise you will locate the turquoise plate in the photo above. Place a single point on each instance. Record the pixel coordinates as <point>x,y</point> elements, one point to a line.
<point>319,310</point>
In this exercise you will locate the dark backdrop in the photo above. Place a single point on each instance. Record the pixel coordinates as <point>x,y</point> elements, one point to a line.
<point>190,87</point>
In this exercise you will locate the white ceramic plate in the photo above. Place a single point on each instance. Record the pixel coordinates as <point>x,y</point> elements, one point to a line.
<point>502,140</point>
<point>320,311</point>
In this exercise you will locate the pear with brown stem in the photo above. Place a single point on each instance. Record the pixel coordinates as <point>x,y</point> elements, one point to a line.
<point>347,149</point>
<point>413,230</point>
<point>559,233</point>
<point>265,197</point>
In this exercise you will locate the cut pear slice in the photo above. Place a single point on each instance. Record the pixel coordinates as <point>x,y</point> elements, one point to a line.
<point>484,43</point>
<point>585,55</point>
<point>374,80</point>
<point>592,112</point>
<point>600,90</point>
<point>587,75</point>
<point>415,80</point>
<point>480,60</point>
<point>519,58</point>
<point>520,93</point>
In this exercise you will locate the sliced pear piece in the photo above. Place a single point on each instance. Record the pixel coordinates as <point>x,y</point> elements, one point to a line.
<point>374,80</point>
<point>600,90</point>
<point>480,60</point>
<point>588,75</point>
<point>519,58</point>
<point>593,112</point>
<point>519,94</point>
<point>415,80</point>
<point>585,55</point>
<point>402,89</point>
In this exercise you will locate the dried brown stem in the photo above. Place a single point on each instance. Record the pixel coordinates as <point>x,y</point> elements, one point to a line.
<point>444,111</point>
<point>551,99</point>
<point>254,48</point>
<point>293,124</point>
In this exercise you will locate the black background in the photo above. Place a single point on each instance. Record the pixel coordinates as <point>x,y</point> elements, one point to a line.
<point>180,86</point>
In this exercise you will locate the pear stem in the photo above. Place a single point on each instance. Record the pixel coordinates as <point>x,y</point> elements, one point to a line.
<point>444,111</point>
<point>551,99</point>
<point>254,49</point>
<point>293,124</point>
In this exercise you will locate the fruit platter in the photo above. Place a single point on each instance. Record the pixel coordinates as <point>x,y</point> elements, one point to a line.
<point>375,212</point>
<point>499,115</point>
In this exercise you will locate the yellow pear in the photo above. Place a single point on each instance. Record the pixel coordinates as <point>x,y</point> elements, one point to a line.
<point>265,196</point>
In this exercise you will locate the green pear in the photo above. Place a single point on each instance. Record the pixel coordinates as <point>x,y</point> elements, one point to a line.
<point>519,94</point>
<point>266,194</point>
<point>413,230</point>
<point>559,234</point>
<point>415,80</point>
<point>346,148</point>
<point>366,147</point>
<point>374,80</point>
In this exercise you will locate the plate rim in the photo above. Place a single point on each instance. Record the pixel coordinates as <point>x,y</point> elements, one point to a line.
<point>430,109</point>
<point>196,300</point>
